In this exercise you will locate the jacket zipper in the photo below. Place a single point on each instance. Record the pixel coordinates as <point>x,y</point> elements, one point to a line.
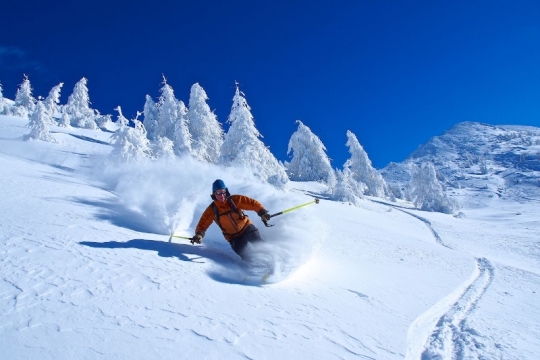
<point>233,223</point>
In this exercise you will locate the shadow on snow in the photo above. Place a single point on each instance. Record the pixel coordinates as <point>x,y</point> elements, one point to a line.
<point>164,249</point>
<point>114,212</point>
<point>231,269</point>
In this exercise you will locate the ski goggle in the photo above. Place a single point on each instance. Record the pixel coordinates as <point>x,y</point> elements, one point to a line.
<point>221,192</point>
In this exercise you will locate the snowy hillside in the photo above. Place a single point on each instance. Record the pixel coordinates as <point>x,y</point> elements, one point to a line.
<point>502,161</point>
<point>87,271</point>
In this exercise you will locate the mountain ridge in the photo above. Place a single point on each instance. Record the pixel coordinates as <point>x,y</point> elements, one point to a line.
<point>502,160</point>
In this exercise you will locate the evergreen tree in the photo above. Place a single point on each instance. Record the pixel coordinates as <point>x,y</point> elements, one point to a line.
<point>309,161</point>
<point>182,137</point>
<point>163,148</point>
<point>347,189</point>
<point>78,107</point>
<point>121,121</point>
<point>53,100</point>
<point>103,121</point>
<point>64,120</point>
<point>150,117</point>
<point>39,124</point>
<point>242,146</point>
<point>24,101</point>
<point>172,120</point>
<point>206,131</point>
<point>4,109</point>
<point>168,112</point>
<point>361,168</point>
<point>427,192</point>
<point>131,144</point>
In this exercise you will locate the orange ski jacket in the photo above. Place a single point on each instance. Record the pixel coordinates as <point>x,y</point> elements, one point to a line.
<point>232,223</point>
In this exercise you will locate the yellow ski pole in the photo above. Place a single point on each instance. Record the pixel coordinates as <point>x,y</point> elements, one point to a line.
<point>179,237</point>
<point>316,201</point>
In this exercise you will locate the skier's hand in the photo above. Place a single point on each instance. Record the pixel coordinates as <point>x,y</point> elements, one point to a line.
<point>265,215</point>
<point>197,239</point>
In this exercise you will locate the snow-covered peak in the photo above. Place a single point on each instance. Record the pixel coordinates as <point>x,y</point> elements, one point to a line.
<point>501,160</point>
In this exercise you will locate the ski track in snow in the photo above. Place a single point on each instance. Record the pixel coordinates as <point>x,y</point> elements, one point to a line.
<point>430,227</point>
<point>452,338</point>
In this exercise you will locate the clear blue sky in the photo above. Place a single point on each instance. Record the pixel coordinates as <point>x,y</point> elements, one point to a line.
<point>395,73</point>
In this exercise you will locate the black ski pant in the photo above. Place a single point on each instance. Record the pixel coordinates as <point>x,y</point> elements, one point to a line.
<point>239,243</point>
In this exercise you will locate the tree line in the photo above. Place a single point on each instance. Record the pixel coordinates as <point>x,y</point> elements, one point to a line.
<point>170,129</point>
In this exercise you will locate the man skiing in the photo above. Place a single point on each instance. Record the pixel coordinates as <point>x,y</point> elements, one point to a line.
<point>227,211</point>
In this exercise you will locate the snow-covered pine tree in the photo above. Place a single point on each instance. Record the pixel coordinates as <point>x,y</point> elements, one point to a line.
<point>78,107</point>
<point>103,121</point>
<point>347,189</point>
<point>182,137</point>
<point>3,104</point>
<point>167,111</point>
<point>172,120</point>
<point>206,132</point>
<point>64,120</point>
<point>131,144</point>
<point>139,126</point>
<point>242,146</point>
<point>39,124</point>
<point>150,113</point>
<point>24,101</point>
<point>427,192</point>
<point>361,168</point>
<point>52,102</point>
<point>121,121</point>
<point>309,160</point>
<point>163,147</point>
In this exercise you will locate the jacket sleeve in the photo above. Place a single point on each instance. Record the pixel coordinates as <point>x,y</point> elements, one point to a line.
<point>247,203</point>
<point>205,221</point>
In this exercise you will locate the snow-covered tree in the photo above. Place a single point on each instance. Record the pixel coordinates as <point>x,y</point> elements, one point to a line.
<point>78,107</point>
<point>131,144</point>
<point>39,125</point>
<point>121,121</point>
<point>347,189</point>
<point>427,192</point>
<point>482,165</point>
<point>309,161</point>
<point>172,120</point>
<point>168,112</point>
<point>182,137</point>
<point>206,131</point>
<point>4,109</point>
<point>24,101</point>
<point>150,113</point>
<point>103,121</point>
<point>52,101</point>
<point>242,146</point>
<point>362,171</point>
<point>163,148</point>
<point>397,177</point>
<point>64,120</point>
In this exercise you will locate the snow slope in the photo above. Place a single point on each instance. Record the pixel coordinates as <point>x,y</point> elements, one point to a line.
<point>87,271</point>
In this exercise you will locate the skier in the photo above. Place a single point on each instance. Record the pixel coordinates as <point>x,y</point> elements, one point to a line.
<point>227,211</point>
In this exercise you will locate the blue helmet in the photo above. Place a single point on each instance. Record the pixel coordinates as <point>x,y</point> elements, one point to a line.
<point>218,184</point>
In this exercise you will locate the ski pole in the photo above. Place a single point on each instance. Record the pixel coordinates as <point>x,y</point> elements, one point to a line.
<point>180,237</point>
<point>316,201</point>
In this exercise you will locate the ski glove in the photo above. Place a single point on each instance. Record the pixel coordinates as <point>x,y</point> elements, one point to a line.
<point>265,216</point>
<point>197,239</point>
